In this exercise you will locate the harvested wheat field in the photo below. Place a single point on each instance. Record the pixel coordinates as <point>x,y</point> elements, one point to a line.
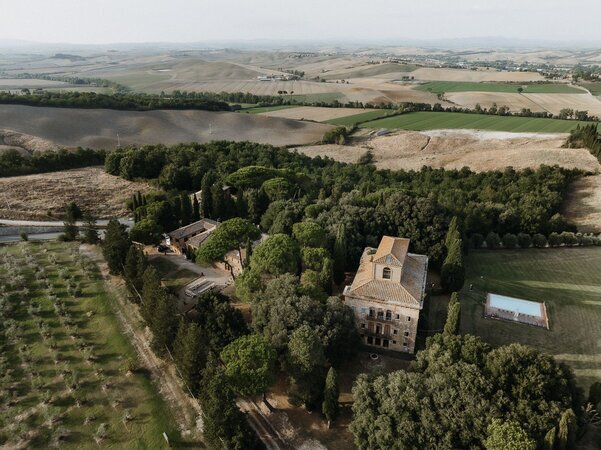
<point>453,149</point>
<point>98,128</point>
<point>583,206</point>
<point>436,74</point>
<point>30,197</point>
<point>315,113</point>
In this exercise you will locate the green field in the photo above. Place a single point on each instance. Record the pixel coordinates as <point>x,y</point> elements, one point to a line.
<point>438,87</point>
<point>359,118</point>
<point>64,359</point>
<point>593,86</point>
<point>263,109</point>
<point>442,120</point>
<point>566,279</point>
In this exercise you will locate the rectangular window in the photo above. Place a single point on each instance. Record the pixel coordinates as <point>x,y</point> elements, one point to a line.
<point>398,316</point>
<point>362,325</point>
<point>406,333</point>
<point>370,340</point>
<point>408,318</point>
<point>378,341</point>
<point>395,331</point>
<point>385,343</point>
<point>405,344</point>
<point>394,342</point>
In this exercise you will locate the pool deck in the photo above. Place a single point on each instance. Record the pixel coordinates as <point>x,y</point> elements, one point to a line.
<point>516,310</point>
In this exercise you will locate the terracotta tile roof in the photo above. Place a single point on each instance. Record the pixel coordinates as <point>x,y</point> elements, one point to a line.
<point>408,292</point>
<point>193,228</point>
<point>392,251</point>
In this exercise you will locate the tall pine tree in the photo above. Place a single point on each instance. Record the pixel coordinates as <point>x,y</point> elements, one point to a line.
<point>164,321</point>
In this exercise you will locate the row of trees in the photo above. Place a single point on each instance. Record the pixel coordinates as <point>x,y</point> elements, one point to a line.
<point>524,240</point>
<point>14,163</point>
<point>120,101</point>
<point>587,136</point>
<point>195,345</point>
<point>452,273</point>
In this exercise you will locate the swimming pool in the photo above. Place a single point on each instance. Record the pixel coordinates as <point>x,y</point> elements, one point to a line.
<point>515,305</point>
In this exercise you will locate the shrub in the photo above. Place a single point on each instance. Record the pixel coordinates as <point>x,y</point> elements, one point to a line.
<point>539,240</point>
<point>555,240</point>
<point>569,239</point>
<point>477,240</point>
<point>492,240</point>
<point>524,240</point>
<point>510,241</point>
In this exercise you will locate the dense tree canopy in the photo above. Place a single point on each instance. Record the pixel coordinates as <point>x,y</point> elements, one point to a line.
<point>458,386</point>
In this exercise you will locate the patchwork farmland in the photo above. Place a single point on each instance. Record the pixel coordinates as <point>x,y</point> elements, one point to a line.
<point>438,87</point>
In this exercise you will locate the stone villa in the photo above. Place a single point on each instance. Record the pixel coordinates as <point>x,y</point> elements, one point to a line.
<point>388,294</point>
<point>191,236</point>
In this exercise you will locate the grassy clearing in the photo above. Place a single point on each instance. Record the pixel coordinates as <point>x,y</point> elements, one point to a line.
<point>443,120</point>
<point>439,87</point>
<point>566,279</point>
<point>65,358</point>
<point>264,109</point>
<point>358,118</point>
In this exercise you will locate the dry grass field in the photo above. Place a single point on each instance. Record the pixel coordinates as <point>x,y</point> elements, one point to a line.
<point>98,128</point>
<point>436,74</point>
<point>32,196</point>
<point>583,206</point>
<point>316,114</point>
<point>454,149</point>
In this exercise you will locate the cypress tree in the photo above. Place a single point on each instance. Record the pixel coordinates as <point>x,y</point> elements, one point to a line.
<point>164,321</point>
<point>241,205</point>
<point>217,202</point>
<point>340,254</point>
<point>452,233</point>
<point>115,246</point>
<point>186,209</point>
<point>451,325</point>
<point>566,436</point>
<point>134,201</point>
<point>135,265</point>
<point>249,249</point>
<point>331,393</point>
<point>206,203</point>
<point>195,209</point>
<point>151,283</point>
<point>549,442</point>
<point>90,234</point>
<point>452,274</point>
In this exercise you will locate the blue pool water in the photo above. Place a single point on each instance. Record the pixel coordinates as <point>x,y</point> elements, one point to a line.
<point>515,305</point>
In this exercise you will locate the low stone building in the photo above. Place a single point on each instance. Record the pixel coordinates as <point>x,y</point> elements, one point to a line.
<point>388,293</point>
<point>191,236</point>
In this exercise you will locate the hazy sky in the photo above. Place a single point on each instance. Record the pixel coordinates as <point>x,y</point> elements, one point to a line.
<point>110,21</point>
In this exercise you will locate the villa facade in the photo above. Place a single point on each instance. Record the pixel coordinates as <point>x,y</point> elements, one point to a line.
<point>387,295</point>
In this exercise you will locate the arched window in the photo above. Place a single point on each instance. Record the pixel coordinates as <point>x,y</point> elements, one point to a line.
<point>386,273</point>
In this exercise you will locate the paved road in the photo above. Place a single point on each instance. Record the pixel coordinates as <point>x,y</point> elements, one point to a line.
<point>56,223</point>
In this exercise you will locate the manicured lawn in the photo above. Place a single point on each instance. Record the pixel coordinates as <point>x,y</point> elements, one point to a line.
<point>359,118</point>
<point>263,109</point>
<point>428,120</point>
<point>466,86</point>
<point>566,279</point>
<point>64,372</point>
